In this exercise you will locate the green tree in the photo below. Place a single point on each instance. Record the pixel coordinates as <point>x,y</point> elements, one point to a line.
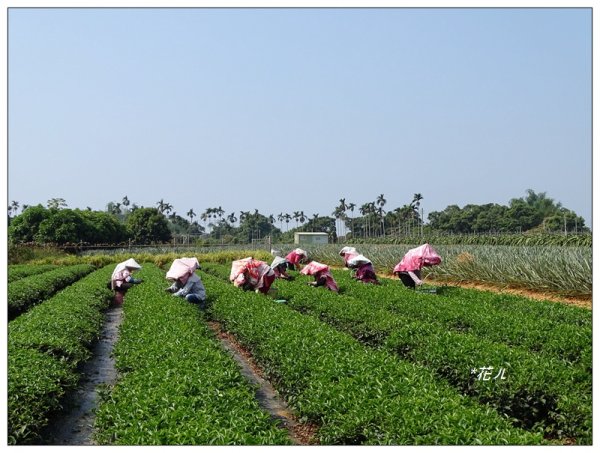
<point>523,216</point>
<point>147,226</point>
<point>63,226</point>
<point>255,226</point>
<point>564,221</point>
<point>25,226</point>
<point>103,228</point>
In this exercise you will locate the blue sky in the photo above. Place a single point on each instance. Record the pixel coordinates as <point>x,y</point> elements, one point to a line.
<point>283,110</point>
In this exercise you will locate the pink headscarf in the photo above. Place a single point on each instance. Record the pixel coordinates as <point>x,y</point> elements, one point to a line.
<point>251,270</point>
<point>318,270</point>
<point>182,268</point>
<point>348,253</point>
<point>296,255</point>
<point>416,258</point>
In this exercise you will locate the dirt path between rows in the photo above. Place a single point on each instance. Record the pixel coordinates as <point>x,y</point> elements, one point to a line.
<point>583,302</point>
<point>268,399</point>
<point>536,295</point>
<point>74,426</point>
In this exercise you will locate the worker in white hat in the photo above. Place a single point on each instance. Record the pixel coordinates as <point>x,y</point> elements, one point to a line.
<point>122,279</point>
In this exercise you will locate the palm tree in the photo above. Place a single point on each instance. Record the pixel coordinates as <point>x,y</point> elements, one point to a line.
<point>302,218</point>
<point>364,210</point>
<point>416,202</point>
<point>161,205</point>
<point>232,218</point>
<point>57,203</point>
<point>205,216</point>
<point>337,213</point>
<point>287,219</point>
<point>13,207</point>
<point>341,215</point>
<point>125,201</point>
<point>351,207</point>
<point>417,199</point>
<point>116,209</point>
<point>403,214</point>
<point>296,216</point>
<point>313,221</point>
<point>381,201</point>
<point>191,214</point>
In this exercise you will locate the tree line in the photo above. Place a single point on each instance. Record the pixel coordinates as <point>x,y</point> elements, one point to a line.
<point>124,221</point>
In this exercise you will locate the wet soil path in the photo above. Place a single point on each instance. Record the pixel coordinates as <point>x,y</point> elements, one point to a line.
<point>266,395</point>
<point>75,424</point>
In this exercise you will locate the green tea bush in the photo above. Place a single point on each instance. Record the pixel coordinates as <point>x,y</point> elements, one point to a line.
<point>45,347</point>
<point>177,386</point>
<point>19,271</point>
<point>355,394</point>
<point>28,291</point>
<point>541,392</point>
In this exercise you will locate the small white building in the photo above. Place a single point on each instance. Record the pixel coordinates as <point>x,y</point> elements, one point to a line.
<point>311,238</point>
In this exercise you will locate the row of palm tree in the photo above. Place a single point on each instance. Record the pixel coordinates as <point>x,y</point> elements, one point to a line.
<point>374,215</point>
<point>372,221</point>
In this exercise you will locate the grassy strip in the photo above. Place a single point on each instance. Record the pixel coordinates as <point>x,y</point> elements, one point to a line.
<point>559,331</point>
<point>19,271</point>
<point>356,395</point>
<point>28,291</point>
<point>178,387</point>
<point>45,345</point>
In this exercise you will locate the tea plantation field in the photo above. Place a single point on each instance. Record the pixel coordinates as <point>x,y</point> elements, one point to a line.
<point>372,365</point>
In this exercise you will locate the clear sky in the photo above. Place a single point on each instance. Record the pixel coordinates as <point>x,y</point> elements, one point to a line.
<point>283,110</point>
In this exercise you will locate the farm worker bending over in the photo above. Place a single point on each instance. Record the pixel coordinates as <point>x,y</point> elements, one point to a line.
<point>279,266</point>
<point>363,268</point>
<point>295,257</point>
<point>186,283</point>
<point>122,279</point>
<point>409,269</point>
<point>251,274</point>
<point>322,275</point>
<point>347,253</point>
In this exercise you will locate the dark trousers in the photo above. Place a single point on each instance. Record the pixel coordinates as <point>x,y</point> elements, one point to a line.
<point>407,279</point>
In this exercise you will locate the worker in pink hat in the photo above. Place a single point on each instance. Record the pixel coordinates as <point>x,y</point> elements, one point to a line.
<point>363,269</point>
<point>251,274</point>
<point>296,257</point>
<point>409,269</point>
<point>185,282</point>
<point>322,275</point>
